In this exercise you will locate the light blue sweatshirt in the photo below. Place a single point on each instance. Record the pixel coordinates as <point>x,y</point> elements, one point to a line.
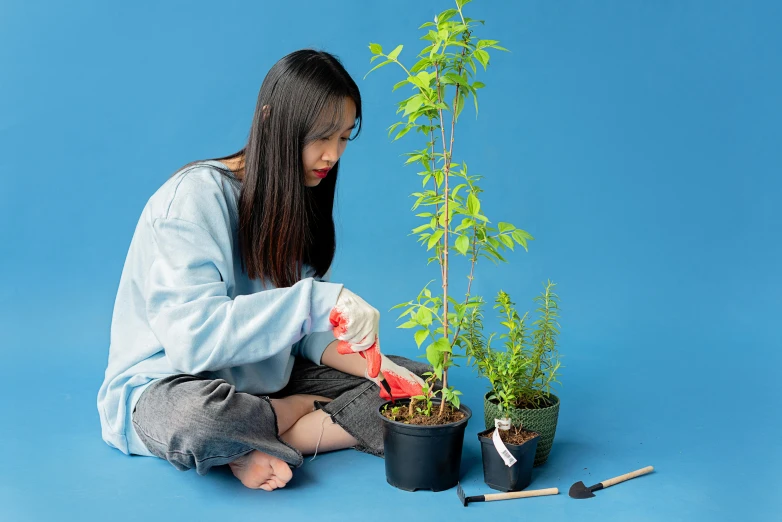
<point>184,305</point>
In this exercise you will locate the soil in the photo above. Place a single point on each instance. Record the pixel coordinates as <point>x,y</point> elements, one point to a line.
<point>449,415</point>
<point>516,436</point>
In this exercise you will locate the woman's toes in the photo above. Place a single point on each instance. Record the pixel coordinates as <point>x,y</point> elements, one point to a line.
<point>258,470</point>
<point>282,471</point>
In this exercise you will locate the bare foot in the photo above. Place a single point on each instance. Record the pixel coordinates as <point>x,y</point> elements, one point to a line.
<point>258,470</point>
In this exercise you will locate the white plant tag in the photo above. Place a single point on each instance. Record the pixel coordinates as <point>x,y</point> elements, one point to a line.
<point>502,424</point>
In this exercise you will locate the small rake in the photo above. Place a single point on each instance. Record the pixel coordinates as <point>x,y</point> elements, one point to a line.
<point>503,496</point>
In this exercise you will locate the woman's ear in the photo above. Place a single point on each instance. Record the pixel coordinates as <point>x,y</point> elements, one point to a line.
<point>265,110</point>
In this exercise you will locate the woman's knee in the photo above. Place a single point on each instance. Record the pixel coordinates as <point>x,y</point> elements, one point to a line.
<point>181,413</point>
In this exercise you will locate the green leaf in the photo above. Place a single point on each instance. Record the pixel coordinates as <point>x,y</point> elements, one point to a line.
<point>507,240</point>
<point>466,223</point>
<point>395,53</point>
<point>463,244</point>
<point>486,43</point>
<point>459,106</point>
<point>378,66</point>
<point>462,3</point>
<point>442,345</point>
<point>441,219</point>
<point>415,80</point>
<point>420,336</point>
<point>375,48</point>
<point>408,324</point>
<point>420,65</point>
<point>413,158</point>
<point>394,126</point>
<point>427,24</point>
<point>400,84</point>
<point>446,15</point>
<point>473,205</point>
<point>482,56</point>
<point>505,227</point>
<point>424,316</point>
<point>453,78</point>
<point>403,132</point>
<point>420,229</point>
<point>413,105</point>
<point>425,78</point>
<point>478,85</point>
<point>434,239</point>
<point>433,355</point>
<point>406,312</point>
<point>434,49</point>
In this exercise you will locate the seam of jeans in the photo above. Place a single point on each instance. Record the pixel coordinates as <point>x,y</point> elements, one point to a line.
<point>340,379</point>
<point>344,426</point>
<point>147,435</point>
<point>243,452</point>
<point>268,401</point>
<point>353,399</point>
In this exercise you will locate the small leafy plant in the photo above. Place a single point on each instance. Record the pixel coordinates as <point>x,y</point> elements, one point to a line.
<point>522,373</point>
<point>453,221</point>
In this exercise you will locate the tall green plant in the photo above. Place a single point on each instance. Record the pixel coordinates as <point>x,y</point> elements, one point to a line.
<point>522,373</point>
<point>442,80</point>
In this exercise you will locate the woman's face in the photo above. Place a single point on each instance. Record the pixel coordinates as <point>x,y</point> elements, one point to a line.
<point>320,155</point>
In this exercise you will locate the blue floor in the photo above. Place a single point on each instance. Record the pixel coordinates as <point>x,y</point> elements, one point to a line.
<point>706,467</point>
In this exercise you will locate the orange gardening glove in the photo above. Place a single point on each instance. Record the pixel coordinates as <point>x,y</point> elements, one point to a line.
<point>396,382</point>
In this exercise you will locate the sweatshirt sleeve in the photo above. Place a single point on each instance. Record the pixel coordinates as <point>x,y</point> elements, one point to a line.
<point>313,345</point>
<point>200,327</point>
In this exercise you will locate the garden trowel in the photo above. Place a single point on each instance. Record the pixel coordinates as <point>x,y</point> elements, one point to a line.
<point>579,490</point>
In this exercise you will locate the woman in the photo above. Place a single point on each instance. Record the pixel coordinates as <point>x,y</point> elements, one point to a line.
<point>222,349</point>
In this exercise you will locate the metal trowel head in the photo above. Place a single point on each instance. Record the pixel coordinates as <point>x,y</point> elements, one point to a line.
<point>579,490</point>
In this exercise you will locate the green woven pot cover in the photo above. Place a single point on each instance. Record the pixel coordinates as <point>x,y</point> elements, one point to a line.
<point>542,421</point>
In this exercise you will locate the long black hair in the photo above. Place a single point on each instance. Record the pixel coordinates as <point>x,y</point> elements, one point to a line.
<point>284,224</point>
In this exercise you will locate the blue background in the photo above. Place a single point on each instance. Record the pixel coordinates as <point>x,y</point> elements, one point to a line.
<point>639,142</point>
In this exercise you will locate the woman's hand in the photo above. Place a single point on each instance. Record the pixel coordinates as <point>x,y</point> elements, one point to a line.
<point>376,367</point>
<point>402,383</point>
<point>355,322</point>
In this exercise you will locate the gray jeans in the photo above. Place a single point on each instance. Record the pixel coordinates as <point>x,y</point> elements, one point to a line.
<point>197,423</point>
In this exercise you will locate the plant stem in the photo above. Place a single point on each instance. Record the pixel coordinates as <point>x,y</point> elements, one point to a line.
<point>436,205</point>
<point>446,168</point>
<point>446,172</point>
<point>469,279</point>
<point>450,155</point>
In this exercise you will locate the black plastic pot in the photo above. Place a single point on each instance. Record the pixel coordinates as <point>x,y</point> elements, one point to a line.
<point>423,457</point>
<point>499,476</point>
<point>539,420</point>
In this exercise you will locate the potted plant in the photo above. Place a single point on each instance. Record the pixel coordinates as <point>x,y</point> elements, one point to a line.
<point>520,408</point>
<point>423,435</point>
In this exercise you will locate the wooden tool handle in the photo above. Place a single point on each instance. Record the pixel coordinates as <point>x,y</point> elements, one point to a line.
<point>521,494</point>
<point>627,476</point>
